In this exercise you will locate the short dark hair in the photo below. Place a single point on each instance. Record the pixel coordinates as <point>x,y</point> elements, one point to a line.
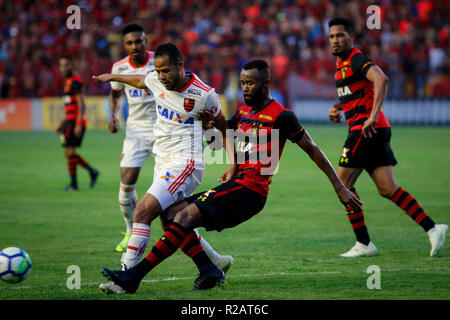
<point>348,25</point>
<point>67,57</point>
<point>261,65</point>
<point>132,27</point>
<point>171,50</point>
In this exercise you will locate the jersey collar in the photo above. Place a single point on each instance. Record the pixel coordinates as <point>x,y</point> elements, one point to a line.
<point>188,84</point>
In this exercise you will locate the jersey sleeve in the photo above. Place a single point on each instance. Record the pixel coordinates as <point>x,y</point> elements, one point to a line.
<point>118,86</point>
<point>150,79</point>
<point>289,126</point>
<point>212,104</point>
<point>76,86</point>
<point>361,64</point>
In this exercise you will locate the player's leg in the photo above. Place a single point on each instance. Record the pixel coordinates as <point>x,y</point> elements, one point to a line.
<point>383,178</point>
<point>135,152</point>
<point>69,152</point>
<point>76,142</point>
<point>224,207</point>
<point>356,155</point>
<point>146,211</point>
<point>355,216</point>
<point>223,262</point>
<point>171,240</point>
<point>93,173</point>
<point>127,202</point>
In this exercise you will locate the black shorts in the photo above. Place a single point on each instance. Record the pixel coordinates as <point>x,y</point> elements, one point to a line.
<point>68,138</point>
<point>227,205</point>
<point>368,153</point>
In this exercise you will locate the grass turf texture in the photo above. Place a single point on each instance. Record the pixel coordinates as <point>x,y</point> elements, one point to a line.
<point>288,251</point>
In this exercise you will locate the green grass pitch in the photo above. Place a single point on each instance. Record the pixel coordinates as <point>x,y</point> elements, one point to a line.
<point>288,251</point>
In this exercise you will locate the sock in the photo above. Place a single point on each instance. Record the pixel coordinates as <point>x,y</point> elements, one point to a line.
<point>356,218</point>
<point>137,244</point>
<point>192,247</point>
<point>168,244</point>
<point>411,207</point>
<point>72,165</point>
<point>210,252</point>
<point>84,164</point>
<point>127,203</point>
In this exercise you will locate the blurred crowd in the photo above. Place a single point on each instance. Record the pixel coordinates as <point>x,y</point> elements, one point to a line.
<point>217,37</point>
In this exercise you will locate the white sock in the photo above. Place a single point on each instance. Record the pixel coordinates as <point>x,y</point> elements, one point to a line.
<point>210,252</point>
<point>127,202</point>
<point>137,244</point>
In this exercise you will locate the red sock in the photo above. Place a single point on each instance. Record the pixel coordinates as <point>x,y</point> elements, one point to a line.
<point>411,207</point>
<point>356,218</point>
<point>72,166</point>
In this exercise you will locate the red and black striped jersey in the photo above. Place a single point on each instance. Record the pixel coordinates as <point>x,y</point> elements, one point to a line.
<point>72,87</point>
<point>355,91</point>
<point>257,139</point>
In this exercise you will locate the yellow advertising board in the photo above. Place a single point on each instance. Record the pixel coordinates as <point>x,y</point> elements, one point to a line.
<point>96,112</point>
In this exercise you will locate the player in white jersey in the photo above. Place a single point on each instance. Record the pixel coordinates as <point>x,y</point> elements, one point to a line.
<point>181,97</point>
<point>138,144</point>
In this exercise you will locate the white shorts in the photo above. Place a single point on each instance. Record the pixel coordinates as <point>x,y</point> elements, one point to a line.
<point>172,182</point>
<point>136,150</point>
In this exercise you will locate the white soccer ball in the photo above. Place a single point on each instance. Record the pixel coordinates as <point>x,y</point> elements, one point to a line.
<point>15,265</point>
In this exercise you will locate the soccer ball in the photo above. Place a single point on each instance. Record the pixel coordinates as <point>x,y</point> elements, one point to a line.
<point>15,265</point>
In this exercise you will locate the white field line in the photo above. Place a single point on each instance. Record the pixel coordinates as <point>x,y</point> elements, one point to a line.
<point>270,274</point>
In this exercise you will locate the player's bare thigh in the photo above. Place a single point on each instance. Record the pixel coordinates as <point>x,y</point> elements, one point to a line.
<point>169,214</point>
<point>383,177</point>
<point>189,217</point>
<point>147,209</point>
<point>129,175</point>
<point>349,176</point>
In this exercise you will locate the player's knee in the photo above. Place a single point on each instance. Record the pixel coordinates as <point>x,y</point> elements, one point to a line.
<point>386,192</point>
<point>128,178</point>
<point>69,152</point>
<point>140,216</point>
<point>185,218</point>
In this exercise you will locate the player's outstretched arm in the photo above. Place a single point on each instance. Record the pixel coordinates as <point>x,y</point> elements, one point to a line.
<point>345,196</point>
<point>135,80</point>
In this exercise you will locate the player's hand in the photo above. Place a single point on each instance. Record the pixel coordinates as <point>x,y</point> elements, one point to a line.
<point>78,131</point>
<point>369,128</point>
<point>228,174</point>
<point>207,119</point>
<point>58,128</point>
<point>334,114</point>
<point>348,198</point>
<point>113,125</point>
<point>106,77</point>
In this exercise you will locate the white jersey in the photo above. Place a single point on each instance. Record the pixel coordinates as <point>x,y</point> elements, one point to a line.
<point>141,110</point>
<point>178,132</point>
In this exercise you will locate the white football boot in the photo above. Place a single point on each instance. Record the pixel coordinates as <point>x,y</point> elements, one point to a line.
<point>224,263</point>
<point>111,288</point>
<point>437,236</point>
<point>361,250</point>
